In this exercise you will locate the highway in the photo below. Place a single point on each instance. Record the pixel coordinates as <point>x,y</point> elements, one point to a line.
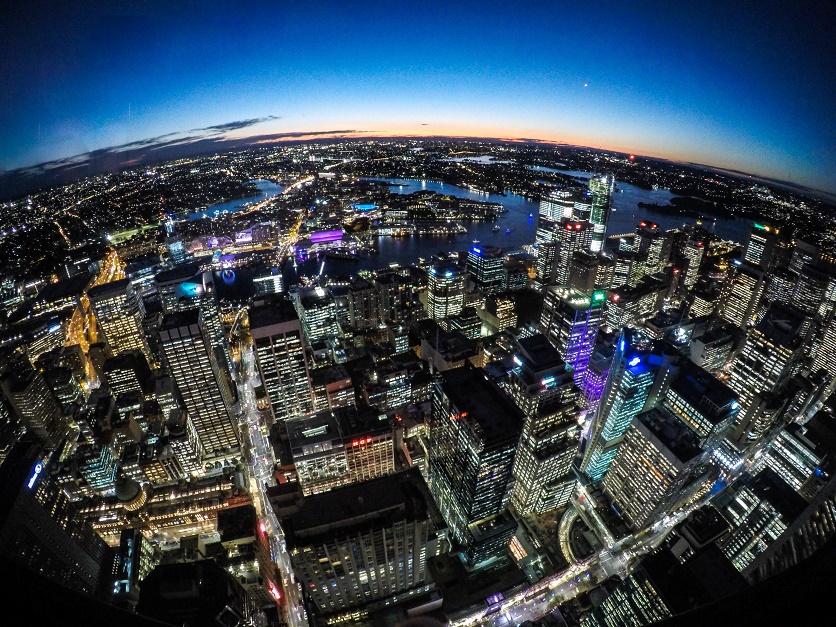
<point>259,457</point>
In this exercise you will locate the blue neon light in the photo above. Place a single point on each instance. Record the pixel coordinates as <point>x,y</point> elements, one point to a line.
<point>635,361</point>
<point>38,468</point>
<point>448,274</point>
<point>518,361</point>
<point>622,345</point>
<point>476,250</point>
<point>547,381</point>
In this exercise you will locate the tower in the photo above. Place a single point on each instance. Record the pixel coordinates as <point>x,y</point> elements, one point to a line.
<point>571,236</point>
<point>446,287</point>
<point>283,364</point>
<point>570,319</point>
<point>485,264</point>
<point>205,385</point>
<point>543,389</point>
<point>119,312</point>
<point>601,187</point>
<point>625,393</point>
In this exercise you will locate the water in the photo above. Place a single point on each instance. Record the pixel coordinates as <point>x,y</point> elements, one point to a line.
<point>266,188</point>
<point>405,251</point>
<point>486,159</point>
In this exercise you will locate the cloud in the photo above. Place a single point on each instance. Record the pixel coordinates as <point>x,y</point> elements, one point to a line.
<point>234,126</point>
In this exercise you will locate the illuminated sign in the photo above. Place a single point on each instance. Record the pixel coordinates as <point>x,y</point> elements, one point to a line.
<point>326,236</point>
<point>517,361</point>
<point>547,381</point>
<point>448,274</point>
<point>476,250</point>
<point>635,361</point>
<point>597,297</point>
<point>38,468</point>
<point>622,345</point>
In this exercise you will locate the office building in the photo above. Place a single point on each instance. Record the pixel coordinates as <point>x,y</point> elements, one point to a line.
<point>541,386</point>
<point>571,236</point>
<point>365,546</point>
<point>204,384</point>
<point>570,320</point>
<point>742,295</point>
<point>474,432</point>
<point>804,455</point>
<point>283,364</point>
<point>629,380</point>
<point>693,253</point>
<point>446,289</point>
<point>119,312</point>
<point>601,187</point>
<point>655,469</point>
<point>770,356</point>
<point>762,245</point>
<point>317,310</point>
<point>486,266</point>
<point>363,305</point>
<point>43,531</point>
<point>34,405</point>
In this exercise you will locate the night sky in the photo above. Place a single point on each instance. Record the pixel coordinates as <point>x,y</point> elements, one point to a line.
<point>742,85</point>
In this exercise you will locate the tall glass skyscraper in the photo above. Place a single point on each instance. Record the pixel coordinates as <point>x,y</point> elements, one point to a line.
<point>601,187</point>
<point>628,385</point>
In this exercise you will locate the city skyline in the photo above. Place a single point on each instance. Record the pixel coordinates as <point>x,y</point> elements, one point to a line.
<point>721,91</point>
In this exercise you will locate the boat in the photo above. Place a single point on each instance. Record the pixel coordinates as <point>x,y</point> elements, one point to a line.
<point>530,215</point>
<point>507,231</point>
<point>496,227</point>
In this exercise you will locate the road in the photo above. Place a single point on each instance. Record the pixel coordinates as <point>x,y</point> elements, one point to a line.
<point>259,457</point>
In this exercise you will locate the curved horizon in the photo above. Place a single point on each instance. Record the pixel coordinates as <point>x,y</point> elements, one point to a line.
<point>704,83</point>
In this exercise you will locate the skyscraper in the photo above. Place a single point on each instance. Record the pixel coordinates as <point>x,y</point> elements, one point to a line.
<point>204,383</point>
<point>742,295</point>
<point>628,385</point>
<point>446,288</point>
<point>653,468</point>
<point>474,432</point>
<point>762,245</point>
<point>570,319</point>
<point>601,187</point>
<point>769,357</point>
<point>693,252</point>
<point>485,264</point>
<point>119,312</point>
<point>283,363</point>
<point>571,236</point>
<point>543,389</point>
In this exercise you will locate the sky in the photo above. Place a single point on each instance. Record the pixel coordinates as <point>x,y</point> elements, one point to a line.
<point>741,85</point>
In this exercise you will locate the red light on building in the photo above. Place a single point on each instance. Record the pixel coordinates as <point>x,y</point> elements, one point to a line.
<point>464,414</point>
<point>568,227</point>
<point>632,157</point>
<point>615,298</point>
<point>577,227</point>
<point>262,527</point>
<point>368,440</point>
<point>275,593</point>
<point>355,443</point>
<point>642,223</point>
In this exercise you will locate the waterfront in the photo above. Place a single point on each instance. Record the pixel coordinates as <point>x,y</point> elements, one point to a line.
<point>267,189</point>
<point>407,250</point>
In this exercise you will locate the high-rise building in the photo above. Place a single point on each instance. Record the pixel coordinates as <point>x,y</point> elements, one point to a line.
<point>283,363</point>
<point>317,310</point>
<point>814,291</point>
<point>692,252</point>
<point>657,245</point>
<point>363,305</point>
<point>34,404</point>
<point>654,468</point>
<point>759,509</point>
<point>485,264</point>
<point>570,320</point>
<point>601,187</point>
<point>553,208</point>
<point>546,261</point>
<point>770,356</point>
<point>446,288</point>
<point>366,545</point>
<point>119,312</point>
<point>762,245</point>
<point>204,383</point>
<point>474,432</point>
<point>742,294</point>
<point>571,236</point>
<point>804,455</point>
<point>701,402</point>
<point>628,384</point>
<point>42,530</point>
<point>543,389</point>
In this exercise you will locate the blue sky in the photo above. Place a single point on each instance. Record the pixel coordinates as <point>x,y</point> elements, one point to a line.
<point>744,87</point>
